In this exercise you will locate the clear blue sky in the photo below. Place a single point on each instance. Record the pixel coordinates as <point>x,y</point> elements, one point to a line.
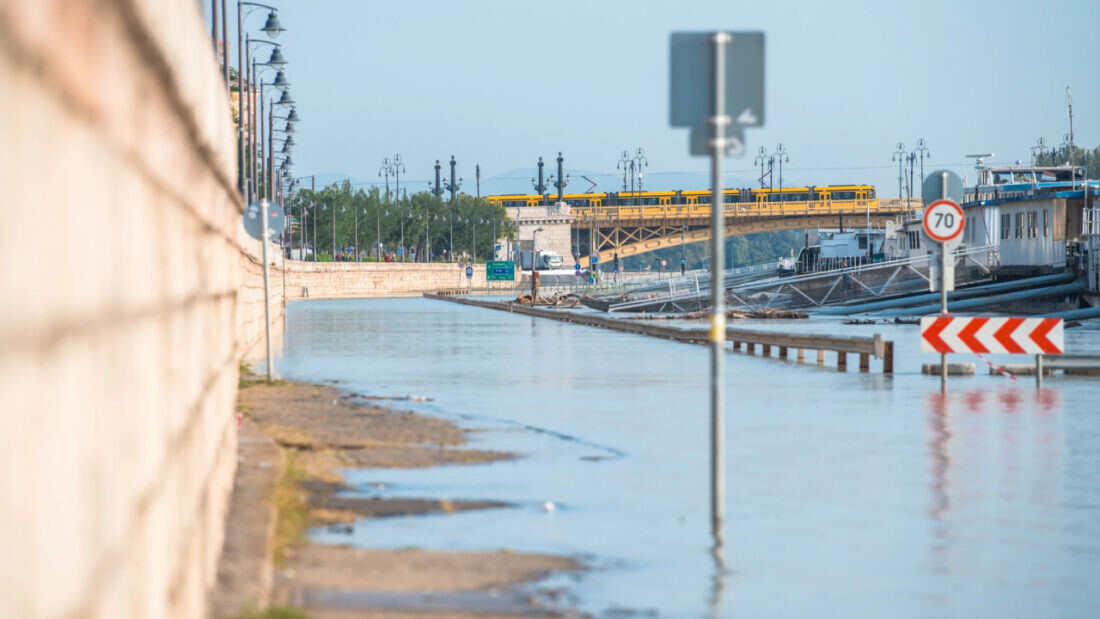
<point>501,82</point>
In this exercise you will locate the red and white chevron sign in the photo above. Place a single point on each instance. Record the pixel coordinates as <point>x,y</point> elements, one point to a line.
<point>978,334</point>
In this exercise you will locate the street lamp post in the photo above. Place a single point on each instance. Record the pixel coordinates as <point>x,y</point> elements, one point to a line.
<point>763,159</point>
<point>559,181</point>
<point>781,158</point>
<point>385,170</point>
<point>624,165</point>
<point>922,151</point>
<point>899,156</point>
<point>640,161</point>
<point>275,61</point>
<point>272,28</point>
<point>452,187</point>
<point>540,186</point>
<point>398,168</point>
<point>1041,147</point>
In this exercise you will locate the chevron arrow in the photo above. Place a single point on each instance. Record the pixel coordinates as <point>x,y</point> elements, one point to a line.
<point>1049,329</point>
<point>969,331</point>
<point>1004,335</point>
<point>984,335</point>
<point>930,329</point>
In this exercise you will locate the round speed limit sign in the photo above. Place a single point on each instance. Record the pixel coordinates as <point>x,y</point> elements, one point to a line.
<point>943,221</point>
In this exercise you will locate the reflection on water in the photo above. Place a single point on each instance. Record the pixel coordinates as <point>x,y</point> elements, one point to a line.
<point>847,494</point>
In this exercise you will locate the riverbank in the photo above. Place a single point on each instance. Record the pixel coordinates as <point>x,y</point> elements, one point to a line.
<point>296,439</point>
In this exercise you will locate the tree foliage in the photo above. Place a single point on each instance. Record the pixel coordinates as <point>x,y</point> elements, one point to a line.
<point>740,251</point>
<point>364,218</point>
<point>1087,159</point>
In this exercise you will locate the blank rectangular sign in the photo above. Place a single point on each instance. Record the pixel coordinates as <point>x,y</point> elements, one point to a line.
<point>691,74</point>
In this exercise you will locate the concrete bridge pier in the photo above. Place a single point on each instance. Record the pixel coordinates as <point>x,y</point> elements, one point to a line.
<point>544,228</point>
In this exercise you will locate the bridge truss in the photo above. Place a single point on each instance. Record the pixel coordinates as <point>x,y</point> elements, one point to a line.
<point>633,230</point>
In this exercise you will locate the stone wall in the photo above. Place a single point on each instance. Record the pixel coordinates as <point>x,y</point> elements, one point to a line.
<point>129,298</point>
<point>328,280</point>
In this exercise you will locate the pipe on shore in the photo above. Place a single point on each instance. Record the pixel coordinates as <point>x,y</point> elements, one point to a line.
<point>1021,295</point>
<point>1077,314</point>
<point>873,306</point>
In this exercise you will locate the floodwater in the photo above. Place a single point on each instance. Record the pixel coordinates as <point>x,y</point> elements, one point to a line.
<point>848,494</point>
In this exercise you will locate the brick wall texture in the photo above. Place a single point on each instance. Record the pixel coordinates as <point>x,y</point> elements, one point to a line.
<point>131,292</point>
<point>129,296</point>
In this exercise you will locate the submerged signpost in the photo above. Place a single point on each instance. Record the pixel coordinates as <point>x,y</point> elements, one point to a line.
<point>716,87</point>
<point>943,223</point>
<point>263,220</point>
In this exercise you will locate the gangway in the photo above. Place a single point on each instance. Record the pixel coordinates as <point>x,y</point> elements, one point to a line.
<point>679,293</point>
<point>864,282</point>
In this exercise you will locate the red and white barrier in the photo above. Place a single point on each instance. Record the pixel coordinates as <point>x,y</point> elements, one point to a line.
<point>982,334</point>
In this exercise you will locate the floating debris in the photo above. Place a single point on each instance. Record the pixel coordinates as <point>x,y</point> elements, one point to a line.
<point>760,312</point>
<point>564,299</point>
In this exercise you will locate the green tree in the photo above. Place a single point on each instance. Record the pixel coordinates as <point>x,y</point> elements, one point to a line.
<point>367,217</point>
<point>1087,159</point>
<point>740,251</point>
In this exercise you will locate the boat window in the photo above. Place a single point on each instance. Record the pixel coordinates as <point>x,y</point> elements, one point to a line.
<point>1019,225</point>
<point>1046,223</point>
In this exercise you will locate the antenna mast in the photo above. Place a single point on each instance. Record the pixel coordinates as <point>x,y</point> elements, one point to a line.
<point>1069,106</point>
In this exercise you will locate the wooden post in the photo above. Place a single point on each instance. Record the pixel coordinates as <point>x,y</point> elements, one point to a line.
<point>842,361</point>
<point>750,348</point>
<point>820,356</point>
<point>888,358</point>
<point>766,349</point>
<point>864,362</point>
<point>801,355</point>
<point>784,353</point>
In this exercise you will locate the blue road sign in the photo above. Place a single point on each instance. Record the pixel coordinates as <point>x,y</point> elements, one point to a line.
<point>469,271</point>
<point>253,224</point>
<point>398,251</point>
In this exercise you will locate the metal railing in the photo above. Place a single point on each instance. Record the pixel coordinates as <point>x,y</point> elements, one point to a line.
<point>1066,363</point>
<point>865,347</point>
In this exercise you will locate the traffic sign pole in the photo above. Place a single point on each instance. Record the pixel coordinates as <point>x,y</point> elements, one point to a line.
<point>264,204</point>
<point>943,223</point>
<point>718,120</point>
<point>943,291</point>
<point>702,66</point>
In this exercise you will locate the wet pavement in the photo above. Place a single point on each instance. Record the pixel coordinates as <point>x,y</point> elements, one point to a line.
<point>848,494</point>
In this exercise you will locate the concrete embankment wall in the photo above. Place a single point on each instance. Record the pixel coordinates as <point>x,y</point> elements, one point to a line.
<point>329,280</point>
<point>129,296</point>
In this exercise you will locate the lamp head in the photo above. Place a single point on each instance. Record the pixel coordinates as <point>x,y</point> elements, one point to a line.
<point>276,59</point>
<point>280,80</point>
<point>272,26</point>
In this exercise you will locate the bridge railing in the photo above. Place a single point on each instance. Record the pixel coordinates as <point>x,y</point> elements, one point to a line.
<point>746,209</point>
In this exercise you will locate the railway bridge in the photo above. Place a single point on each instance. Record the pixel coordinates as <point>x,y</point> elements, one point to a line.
<point>633,230</point>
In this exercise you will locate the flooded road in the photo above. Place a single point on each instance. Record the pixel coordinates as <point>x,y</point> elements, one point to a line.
<point>847,494</point>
